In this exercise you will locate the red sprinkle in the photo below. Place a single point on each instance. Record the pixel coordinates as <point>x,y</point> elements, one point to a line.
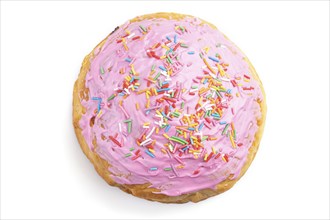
<point>239,144</point>
<point>233,82</point>
<point>135,38</point>
<point>137,152</point>
<point>196,172</point>
<point>218,155</point>
<point>115,141</point>
<point>246,76</point>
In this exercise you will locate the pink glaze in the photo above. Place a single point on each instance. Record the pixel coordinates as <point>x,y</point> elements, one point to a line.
<point>170,171</point>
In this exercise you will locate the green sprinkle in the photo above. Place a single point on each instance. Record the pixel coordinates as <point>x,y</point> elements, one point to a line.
<point>128,155</point>
<point>153,67</point>
<point>111,97</point>
<point>182,105</point>
<point>184,45</point>
<point>127,121</point>
<point>102,70</point>
<point>225,129</point>
<point>131,149</point>
<point>158,75</point>
<point>204,138</point>
<point>201,55</point>
<point>234,135</point>
<point>167,168</point>
<point>129,128</point>
<point>194,87</point>
<point>143,28</point>
<point>179,140</point>
<point>179,131</point>
<point>182,28</point>
<point>169,60</point>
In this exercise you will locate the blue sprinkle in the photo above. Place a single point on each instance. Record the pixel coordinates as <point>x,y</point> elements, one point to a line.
<point>150,154</point>
<point>147,112</point>
<point>153,168</point>
<point>162,68</point>
<point>121,94</point>
<point>223,122</point>
<point>201,126</point>
<point>191,129</point>
<point>168,38</point>
<point>175,39</point>
<point>128,60</point>
<point>96,98</point>
<point>164,83</point>
<point>164,114</point>
<point>214,59</point>
<point>228,91</point>
<point>186,148</point>
<point>135,87</point>
<point>163,89</point>
<point>205,81</point>
<point>191,141</point>
<point>167,128</point>
<point>132,79</point>
<point>191,52</point>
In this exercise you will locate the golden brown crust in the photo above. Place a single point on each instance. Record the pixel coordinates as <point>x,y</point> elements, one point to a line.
<point>142,190</point>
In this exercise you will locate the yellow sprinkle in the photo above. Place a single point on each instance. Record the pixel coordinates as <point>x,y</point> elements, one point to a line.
<point>232,126</point>
<point>212,138</point>
<point>213,150</point>
<point>137,106</point>
<point>155,91</point>
<point>180,166</point>
<point>142,91</point>
<point>165,135</point>
<point>246,80</point>
<point>163,57</point>
<point>128,78</point>
<point>151,150</point>
<point>147,95</point>
<point>146,124</point>
<point>133,70</point>
<point>239,84</point>
<point>214,87</point>
<point>221,71</point>
<point>158,113</point>
<point>232,141</point>
<point>237,94</point>
<point>163,150</point>
<point>183,90</point>
<point>205,157</point>
<point>157,130</point>
<point>121,102</point>
<point>152,72</point>
<point>206,49</point>
<point>185,134</point>
<point>166,47</point>
<point>99,114</point>
<point>127,32</point>
<point>125,46</point>
<point>148,103</point>
<point>223,158</point>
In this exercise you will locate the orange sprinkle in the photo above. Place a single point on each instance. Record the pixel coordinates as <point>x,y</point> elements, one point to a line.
<point>137,106</point>
<point>208,66</point>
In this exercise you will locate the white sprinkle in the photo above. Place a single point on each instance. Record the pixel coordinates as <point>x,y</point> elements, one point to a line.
<point>145,141</point>
<point>150,133</point>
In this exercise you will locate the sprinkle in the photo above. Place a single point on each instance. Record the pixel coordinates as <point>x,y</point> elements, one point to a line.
<point>232,141</point>
<point>168,168</point>
<point>214,59</point>
<point>208,66</point>
<point>201,126</point>
<point>153,168</point>
<point>168,38</point>
<point>112,97</point>
<point>115,141</point>
<point>150,154</point>
<point>165,135</point>
<point>179,140</point>
<point>162,68</point>
<point>225,129</point>
<point>128,155</point>
<point>150,133</point>
<point>137,106</point>
<point>184,45</point>
<point>131,149</point>
<point>128,60</point>
<point>167,128</point>
<point>143,28</point>
<point>222,122</point>
<point>175,39</point>
<point>102,70</point>
<point>191,52</point>
<point>246,76</point>
<point>124,111</point>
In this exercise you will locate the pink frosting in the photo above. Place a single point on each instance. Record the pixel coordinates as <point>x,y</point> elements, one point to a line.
<point>189,56</point>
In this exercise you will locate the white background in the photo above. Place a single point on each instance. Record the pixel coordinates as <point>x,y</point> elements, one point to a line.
<point>44,174</point>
